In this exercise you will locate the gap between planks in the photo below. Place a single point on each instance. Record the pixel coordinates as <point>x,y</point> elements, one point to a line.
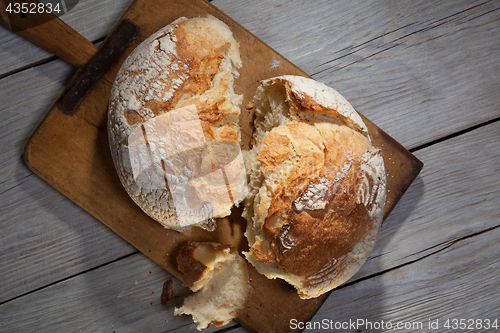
<point>441,247</point>
<point>454,135</point>
<point>42,62</point>
<point>432,25</point>
<point>71,277</point>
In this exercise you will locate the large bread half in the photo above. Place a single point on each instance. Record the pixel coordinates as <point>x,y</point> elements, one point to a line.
<point>316,186</point>
<point>172,124</point>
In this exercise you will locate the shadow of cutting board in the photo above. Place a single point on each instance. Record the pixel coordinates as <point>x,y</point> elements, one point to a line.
<point>71,153</point>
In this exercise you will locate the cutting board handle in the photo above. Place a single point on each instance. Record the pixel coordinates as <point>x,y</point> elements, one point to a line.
<point>48,31</point>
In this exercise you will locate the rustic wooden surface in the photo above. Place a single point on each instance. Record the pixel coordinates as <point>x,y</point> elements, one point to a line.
<point>425,72</point>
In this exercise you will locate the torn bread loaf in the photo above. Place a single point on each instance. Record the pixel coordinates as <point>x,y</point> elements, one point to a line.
<point>219,276</point>
<point>172,124</point>
<point>316,186</point>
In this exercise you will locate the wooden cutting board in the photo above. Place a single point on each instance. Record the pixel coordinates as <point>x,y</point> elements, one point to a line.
<point>71,153</point>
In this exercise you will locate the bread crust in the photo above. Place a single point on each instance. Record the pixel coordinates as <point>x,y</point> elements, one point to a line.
<point>219,276</point>
<point>319,206</point>
<point>172,124</point>
<point>193,268</point>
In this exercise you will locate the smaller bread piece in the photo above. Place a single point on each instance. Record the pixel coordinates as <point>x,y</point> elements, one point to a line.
<point>219,276</point>
<point>316,186</point>
<point>172,124</point>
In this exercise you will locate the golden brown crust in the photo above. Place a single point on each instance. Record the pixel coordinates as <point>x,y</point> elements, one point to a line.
<point>323,234</point>
<point>303,105</point>
<point>201,59</point>
<point>278,149</point>
<point>326,233</point>
<point>192,268</point>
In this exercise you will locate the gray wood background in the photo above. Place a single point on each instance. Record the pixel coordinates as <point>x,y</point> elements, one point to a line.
<point>426,72</point>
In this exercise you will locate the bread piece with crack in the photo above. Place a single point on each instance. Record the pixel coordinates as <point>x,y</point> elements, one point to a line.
<point>172,124</point>
<point>219,276</point>
<point>316,186</point>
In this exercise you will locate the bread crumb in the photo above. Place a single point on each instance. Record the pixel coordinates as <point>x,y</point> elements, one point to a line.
<point>168,292</point>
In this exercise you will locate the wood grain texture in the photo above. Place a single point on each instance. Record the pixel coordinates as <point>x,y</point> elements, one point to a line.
<point>419,70</point>
<point>446,245</point>
<point>44,237</point>
<point>93,19</point>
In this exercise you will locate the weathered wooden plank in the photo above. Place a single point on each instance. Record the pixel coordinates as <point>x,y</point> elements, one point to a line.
<point>419,70</point>
<point>123,296</point>
<point>459,282</point>
<point>44,237</point>
<point>93,19</point>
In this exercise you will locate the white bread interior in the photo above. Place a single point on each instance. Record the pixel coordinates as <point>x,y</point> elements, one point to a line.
<point>222,285</point>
